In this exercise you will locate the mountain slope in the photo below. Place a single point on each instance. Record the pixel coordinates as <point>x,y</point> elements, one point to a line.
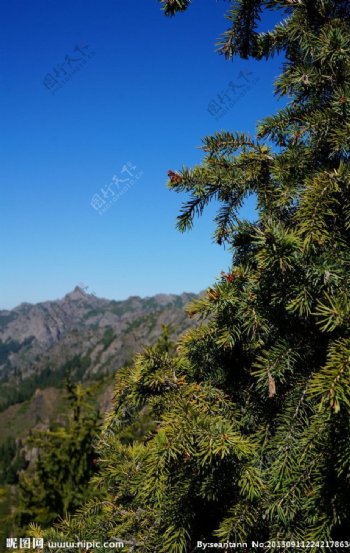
<point>81,334</point>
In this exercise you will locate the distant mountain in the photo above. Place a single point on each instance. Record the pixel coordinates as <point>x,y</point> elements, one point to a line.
<point>88,337</point>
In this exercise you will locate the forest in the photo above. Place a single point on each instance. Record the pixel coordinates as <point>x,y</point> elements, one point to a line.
<point>239,431</point>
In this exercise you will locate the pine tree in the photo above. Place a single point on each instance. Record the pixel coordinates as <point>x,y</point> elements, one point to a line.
<point>248,425</point>
<point>57,482</point>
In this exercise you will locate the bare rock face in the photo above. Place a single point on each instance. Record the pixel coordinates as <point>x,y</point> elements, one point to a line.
<point>99,334</point>
<point>80,335</point>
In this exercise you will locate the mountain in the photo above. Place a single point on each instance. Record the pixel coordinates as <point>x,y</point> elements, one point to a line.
<point>80,334</point>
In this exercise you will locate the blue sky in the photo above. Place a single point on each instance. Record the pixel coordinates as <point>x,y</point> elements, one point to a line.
<point>141,97</point>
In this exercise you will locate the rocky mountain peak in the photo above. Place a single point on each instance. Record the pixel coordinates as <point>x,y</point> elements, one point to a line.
<point>77,294</point>
<point>108,332</point>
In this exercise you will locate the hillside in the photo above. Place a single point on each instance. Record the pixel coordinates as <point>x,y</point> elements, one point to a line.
<point>87,337</point>
<point>80,334</point>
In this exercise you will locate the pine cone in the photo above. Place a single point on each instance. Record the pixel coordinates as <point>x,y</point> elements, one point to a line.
<point>174,177</point>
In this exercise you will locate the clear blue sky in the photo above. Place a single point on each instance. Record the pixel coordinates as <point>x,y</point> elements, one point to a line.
<point>142,97</point>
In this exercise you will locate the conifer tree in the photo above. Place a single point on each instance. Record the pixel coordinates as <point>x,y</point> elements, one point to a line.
<point>249,428</point>
<point>58,481</point>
